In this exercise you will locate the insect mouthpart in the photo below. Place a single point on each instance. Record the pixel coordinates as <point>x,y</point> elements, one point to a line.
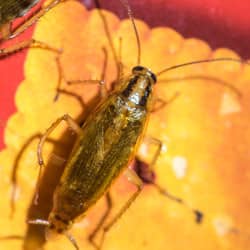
<point>58,224</point>
<point>144,71</point>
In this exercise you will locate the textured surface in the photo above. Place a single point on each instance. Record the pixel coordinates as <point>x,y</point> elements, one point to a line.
<point>205,132</point>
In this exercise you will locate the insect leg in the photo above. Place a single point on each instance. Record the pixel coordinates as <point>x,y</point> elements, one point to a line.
<point>135,179</point>
<point>161,103</point>
<point>101,221</point>
<point>15,169</point>
<point>74,95</point>
<point>72,124</point>
<point>30,43</point>
<point>103,90</point>
<point>63,91</point>
<point>146,173</point>
<point>101,82</point>
<point>158,145</point>
<point>198,214</point>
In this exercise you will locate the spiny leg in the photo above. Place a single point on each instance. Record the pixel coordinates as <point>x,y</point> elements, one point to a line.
<point>30,43</point>
<point>85,106</point>
<point>146,173</point>
<point>16,166</point>
<point>158,145</point>
<point>163,103</point>
<point>117,57</point>
<point>135,179</point>
<point>72,124</point>
<point>101,82</point>
<point>74,95</point>
<point>63,91</point>
<point>198,214</point>
<point>119,66</point>
<point>102,220</point>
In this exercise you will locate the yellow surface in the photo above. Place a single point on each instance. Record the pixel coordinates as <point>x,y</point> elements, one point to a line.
<point>206,129</point>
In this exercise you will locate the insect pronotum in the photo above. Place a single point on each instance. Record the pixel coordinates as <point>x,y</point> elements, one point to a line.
<point>106,143</point>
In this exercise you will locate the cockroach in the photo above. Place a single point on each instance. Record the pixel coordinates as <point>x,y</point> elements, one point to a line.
<point>107,142</point>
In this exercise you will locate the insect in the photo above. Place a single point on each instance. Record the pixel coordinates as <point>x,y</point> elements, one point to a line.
<point>9,11</point>
<point>137,71</point>
<point>106,143</point>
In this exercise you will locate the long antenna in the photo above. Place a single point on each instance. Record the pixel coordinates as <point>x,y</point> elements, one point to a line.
<point>206,78</point>
<point>201,61</point>
<point>130,14</point>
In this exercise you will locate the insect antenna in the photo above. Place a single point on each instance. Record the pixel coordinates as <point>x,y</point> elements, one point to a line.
<point>107,31</point>
<point>130,14</point>
<point>206,78</point>
<point>201,61</point>
<point>228,85</point>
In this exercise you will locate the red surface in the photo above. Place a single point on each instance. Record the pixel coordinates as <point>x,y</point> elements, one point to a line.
<point>221,23</point>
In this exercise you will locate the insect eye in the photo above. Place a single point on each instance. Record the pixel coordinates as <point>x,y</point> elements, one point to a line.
<point>137,68</point>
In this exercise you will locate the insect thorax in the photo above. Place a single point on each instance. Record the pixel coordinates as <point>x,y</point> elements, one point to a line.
<point>137,89</point>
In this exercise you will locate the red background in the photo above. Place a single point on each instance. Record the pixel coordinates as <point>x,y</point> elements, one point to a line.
<point>221,23</point>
